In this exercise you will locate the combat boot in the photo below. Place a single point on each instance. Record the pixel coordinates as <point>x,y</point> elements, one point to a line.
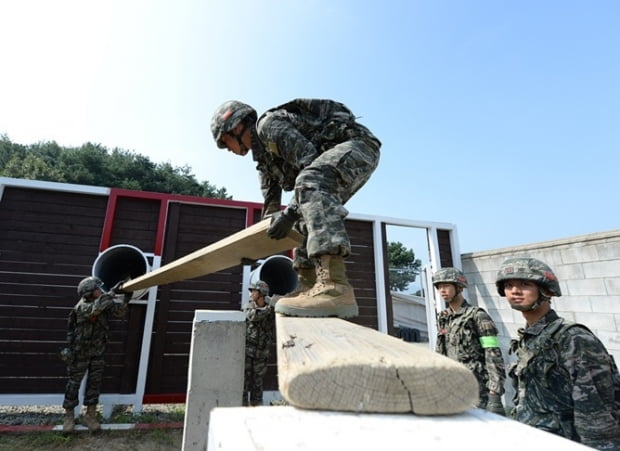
<point>68,425</point>
<point>90,419</point>
<point>306,278</point>
<point>331,295</point>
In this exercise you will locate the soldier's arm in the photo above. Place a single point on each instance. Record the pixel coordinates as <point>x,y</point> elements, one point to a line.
<point>442,324</point>
<point>119,309</point>
<point>494,360</point>
<point>97,307</point>
<point>71,323</point>
<point>591,371</point>
<point>272,194</point>
<point>260,313</point>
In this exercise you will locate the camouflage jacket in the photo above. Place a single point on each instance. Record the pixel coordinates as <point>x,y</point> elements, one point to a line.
<point>566,383</point>
<point>260,329</point>
<point>88,325</point>
<point>292,135</point>
<point>469,336</point>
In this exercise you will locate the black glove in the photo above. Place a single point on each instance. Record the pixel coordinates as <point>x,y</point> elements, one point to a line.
<point>495,404</point>
<point>282,223</point>
<point>127,297</point>
<point>116,289</point>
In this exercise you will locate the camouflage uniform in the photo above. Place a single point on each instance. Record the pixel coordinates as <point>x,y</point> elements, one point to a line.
<point>469,336</point>
<point>316,148</point>
<point>87,335</point>
<point>566,383</point>
<point>259,337</point>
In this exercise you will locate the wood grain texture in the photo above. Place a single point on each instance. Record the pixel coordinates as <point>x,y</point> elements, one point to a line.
<point>252,243</point>
<point>333,364</point>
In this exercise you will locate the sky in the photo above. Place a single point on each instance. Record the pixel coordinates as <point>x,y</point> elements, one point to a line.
<point>500,117</point>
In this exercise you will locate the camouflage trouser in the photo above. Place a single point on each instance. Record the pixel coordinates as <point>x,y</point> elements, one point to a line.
<point>255,369</point>
<point>76,370</point>
<point>483,398</point>
<point>321,190</point>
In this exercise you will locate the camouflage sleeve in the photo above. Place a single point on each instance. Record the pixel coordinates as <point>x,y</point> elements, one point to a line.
<point>592,374</point>
<point>119,309</point>
<point>272,194</point>
<point>442,324</point>
<point>71,328</point>
<point>282,138</point>
<point>87,310</point>
<point>493,358</point>
<point>259,314</point>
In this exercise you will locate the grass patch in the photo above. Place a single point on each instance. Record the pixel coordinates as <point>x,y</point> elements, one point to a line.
<point>132,440</point>
<point>124,414</point>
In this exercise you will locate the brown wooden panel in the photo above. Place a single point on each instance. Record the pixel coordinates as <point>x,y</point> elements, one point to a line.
<point>135,223</point>
<point>445,249</point>
<point>191,227</point>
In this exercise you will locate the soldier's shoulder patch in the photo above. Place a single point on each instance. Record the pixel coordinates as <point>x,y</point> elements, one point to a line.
<point>273,148</point>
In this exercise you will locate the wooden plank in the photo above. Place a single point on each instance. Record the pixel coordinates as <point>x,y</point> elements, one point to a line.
<point>333,364</point>
<point>252,243</point>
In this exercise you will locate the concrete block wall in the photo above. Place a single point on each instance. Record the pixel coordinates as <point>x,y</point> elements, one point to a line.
<point>588,268</point>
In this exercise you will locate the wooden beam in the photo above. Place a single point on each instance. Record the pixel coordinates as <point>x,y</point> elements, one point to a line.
<point>252,243</point>
<point>333,364</point>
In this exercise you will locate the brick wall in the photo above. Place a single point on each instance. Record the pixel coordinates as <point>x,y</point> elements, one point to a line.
<point>588,268</point>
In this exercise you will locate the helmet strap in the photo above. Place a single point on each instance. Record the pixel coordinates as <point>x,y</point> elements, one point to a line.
<point>239,137</point>
<point>458,291</point>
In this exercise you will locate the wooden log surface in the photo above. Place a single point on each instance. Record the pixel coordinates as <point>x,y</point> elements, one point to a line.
<point>333,364</point>
<point>252,243</point>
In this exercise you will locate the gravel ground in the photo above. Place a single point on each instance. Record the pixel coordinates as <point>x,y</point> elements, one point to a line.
<point>44,415</point>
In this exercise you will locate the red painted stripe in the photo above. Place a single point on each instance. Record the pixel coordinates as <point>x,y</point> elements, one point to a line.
<point>175,425</point>
<point>26,428</point>
<point>164,398</point>
<point>108,221</point>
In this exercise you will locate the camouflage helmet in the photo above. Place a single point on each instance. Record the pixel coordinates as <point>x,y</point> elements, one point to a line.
<point>228,116</point>
<point>450,275</point>
<point>260,286</point>
<point>88,285</point>
<point>526,268</point>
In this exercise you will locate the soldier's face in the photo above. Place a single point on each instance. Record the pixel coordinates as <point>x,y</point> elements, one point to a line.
<point>232,143</point>
<point>521,294</point>
<point>254,295</point>
<point>447,291</point>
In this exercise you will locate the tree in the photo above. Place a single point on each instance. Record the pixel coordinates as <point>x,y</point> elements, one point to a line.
<point>403,266</point>
<point>93,164</point>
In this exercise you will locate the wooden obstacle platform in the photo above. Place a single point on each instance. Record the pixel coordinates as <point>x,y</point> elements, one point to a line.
<point>333,364</point>
<point>329,363</point>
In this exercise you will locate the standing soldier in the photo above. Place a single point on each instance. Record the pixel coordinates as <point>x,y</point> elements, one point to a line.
<point>468,335</point>
<point>87,335</point>
<point>259,337</point>
<point>565,380</point>
<point>318,149</point>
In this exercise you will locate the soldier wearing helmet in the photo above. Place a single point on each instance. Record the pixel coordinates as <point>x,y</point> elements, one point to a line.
<point>468,335</point>
<point>317,149</point>
<point>259,338</point>
<point>87,336</point>
<point>565,380</point>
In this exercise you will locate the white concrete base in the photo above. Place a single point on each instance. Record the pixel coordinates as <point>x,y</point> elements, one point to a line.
<point>216,369</point>
<point>285,428</point>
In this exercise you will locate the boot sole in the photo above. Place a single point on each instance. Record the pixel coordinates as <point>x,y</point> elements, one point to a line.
<point>343,311</point>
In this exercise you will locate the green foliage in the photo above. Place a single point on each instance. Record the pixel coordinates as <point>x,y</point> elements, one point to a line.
<point>93,164</point>
<point>403,266</point>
